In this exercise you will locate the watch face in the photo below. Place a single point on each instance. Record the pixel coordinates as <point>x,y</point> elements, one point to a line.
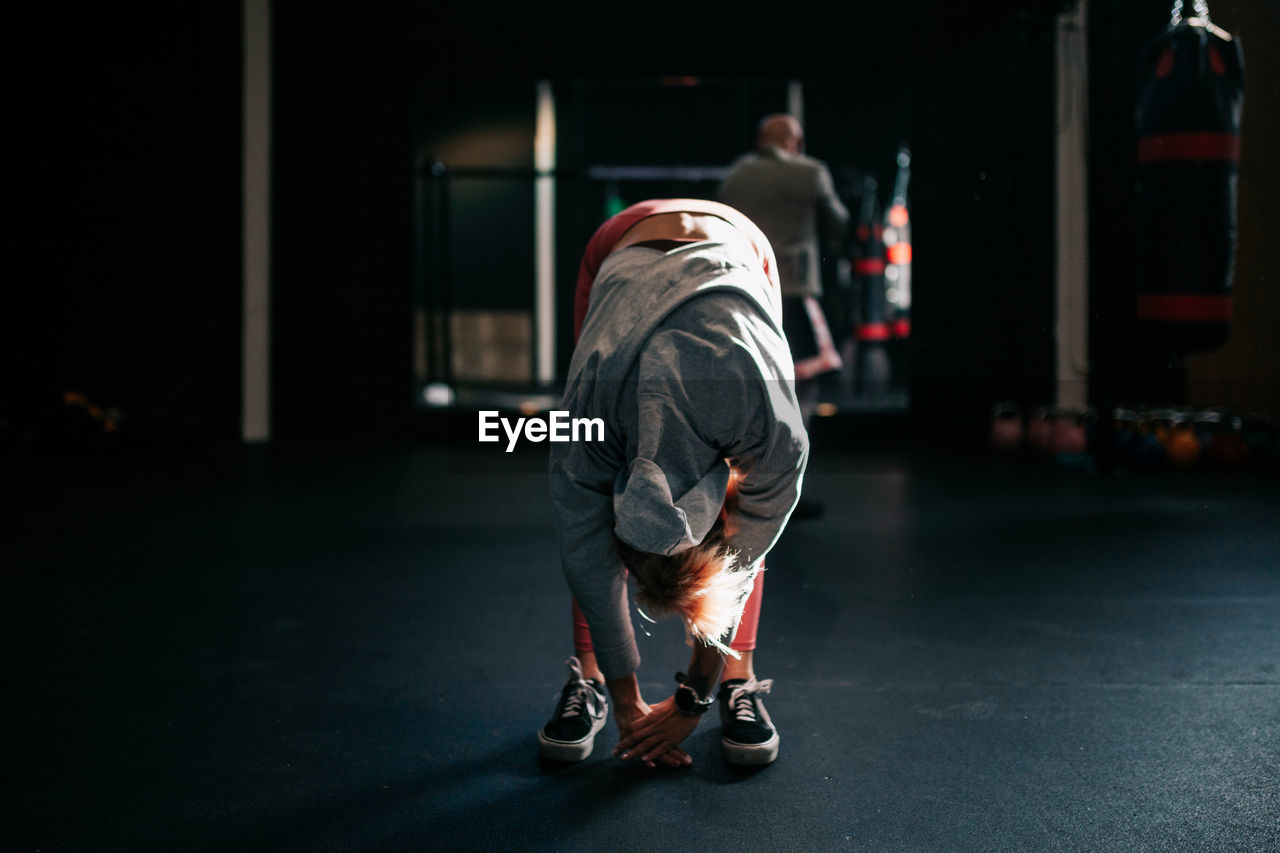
<point>687,700</point>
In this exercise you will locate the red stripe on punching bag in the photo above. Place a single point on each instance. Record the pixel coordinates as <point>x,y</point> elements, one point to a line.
<point>873,332</point>
<point>1216,65</point>
<point>902,328</point>
<point>1184,308</point>
<point>1189,146</point>
<point>869,266</point>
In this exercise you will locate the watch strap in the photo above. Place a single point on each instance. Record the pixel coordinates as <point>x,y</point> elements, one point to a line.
<point>687,699</point>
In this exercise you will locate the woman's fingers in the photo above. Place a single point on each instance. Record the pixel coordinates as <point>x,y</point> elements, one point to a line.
<point>638,733</point>
<point>656,737</point>
<point>647,747</point>
<point>654,748</point>
<point>676,758</point>
<point>627,742</point>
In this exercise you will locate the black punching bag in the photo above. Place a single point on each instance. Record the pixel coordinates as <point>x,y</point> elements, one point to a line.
<point>873,332</point>
<point>1188,121</point>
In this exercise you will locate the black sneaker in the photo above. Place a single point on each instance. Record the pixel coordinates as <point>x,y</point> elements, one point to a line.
<point>747,735</point>
<point>571,732</point>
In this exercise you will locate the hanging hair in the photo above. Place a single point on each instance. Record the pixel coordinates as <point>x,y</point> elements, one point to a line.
<point>703,585</point>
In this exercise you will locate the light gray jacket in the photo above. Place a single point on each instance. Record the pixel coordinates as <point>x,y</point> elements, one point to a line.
<point>793,199</point>
<point>682,356</point>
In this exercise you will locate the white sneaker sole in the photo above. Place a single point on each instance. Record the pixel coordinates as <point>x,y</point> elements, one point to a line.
<point>750,753</point>
<point>569,750</point>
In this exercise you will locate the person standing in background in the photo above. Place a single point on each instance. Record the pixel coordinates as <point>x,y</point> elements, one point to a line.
<point>792,198</point>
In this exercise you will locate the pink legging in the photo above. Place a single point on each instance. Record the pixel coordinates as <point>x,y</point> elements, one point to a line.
<point>597,248</point>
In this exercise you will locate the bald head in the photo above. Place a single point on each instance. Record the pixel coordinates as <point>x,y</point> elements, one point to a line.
<point>780,130</point>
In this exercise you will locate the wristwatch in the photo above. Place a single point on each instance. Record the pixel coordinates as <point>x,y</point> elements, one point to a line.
<point>688,702</point>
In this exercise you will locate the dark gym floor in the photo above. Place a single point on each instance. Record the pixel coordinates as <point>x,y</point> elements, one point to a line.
<point>321,649</point>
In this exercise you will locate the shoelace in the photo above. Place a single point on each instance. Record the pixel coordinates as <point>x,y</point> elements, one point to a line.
<point>576,700</point>
<point>580,693</point>
<point>744,708</point>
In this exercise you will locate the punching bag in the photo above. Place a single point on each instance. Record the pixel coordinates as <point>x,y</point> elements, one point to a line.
<point>872,331</point>
<point>1190,101</point>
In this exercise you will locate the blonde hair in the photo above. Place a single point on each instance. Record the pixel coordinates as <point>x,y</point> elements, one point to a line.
<point>703,585</point>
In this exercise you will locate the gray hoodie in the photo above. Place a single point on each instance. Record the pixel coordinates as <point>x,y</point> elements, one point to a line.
<point>682,356</point>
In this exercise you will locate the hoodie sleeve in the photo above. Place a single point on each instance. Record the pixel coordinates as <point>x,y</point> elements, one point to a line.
<point>583,509</point>
<point>770,455</point>
<point>772,467</point>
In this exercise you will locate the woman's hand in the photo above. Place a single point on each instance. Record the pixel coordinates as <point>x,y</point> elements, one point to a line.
<point>629,710</point>
<point>656,734</point>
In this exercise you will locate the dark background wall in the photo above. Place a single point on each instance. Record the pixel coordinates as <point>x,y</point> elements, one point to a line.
<point>125,161</point>
<point>982,224</point>
<point>1245,373</point>
<point>342,196</point>
<point>122,268</point>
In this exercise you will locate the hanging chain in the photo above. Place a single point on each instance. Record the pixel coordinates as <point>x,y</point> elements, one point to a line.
<point>1201,11</point>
